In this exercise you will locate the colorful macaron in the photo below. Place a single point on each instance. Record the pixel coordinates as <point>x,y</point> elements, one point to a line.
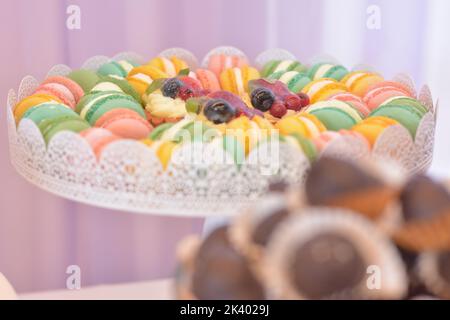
<point>406,114</point>
<point>141,77</point>
<point>220,62</point>
<point>236,79</point>
<point>358,82</point>
<point>324,138</point>
<point>23,105</point>
<point>207,78</point>
<point>86,79</point>
<point>98,139</point>
<point>51,126</point>
<point>75,89</point>
<point>354,100</point>
<point>125,123</point>
<point>48,110</point>
<point>322,89</point>
<point>275,66</point>
<point>295,80</point>
<point>327,70</point>
<point>372,127</point>
<point>307,125</point>
<point>92,106</point>
<point>383,91</point>
<point>335,114</point>
<point>119,68</point>
<point>170,66</point>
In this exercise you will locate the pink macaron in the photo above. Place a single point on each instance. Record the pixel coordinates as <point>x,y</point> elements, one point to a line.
<point>74,87</point>
<point>322,140</point>
<point>59,91</point>
<point>219,62</point>
<point>356,101</point>
<point>208,80</point>
<point>125,123</point>
<point>98,139</point>
<point>383,91</point>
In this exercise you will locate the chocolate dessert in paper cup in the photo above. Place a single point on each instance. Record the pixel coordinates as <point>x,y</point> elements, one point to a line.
<point>251,231</point>
<point>333,254</point>
<point>434,270</point>
<point>368,187</point>
<point>424,206</point>
<point>215,270</point>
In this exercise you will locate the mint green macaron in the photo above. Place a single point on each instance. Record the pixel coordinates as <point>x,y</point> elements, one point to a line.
<point>406,115</point>
<point>45,111</point>
<point>50,127</point>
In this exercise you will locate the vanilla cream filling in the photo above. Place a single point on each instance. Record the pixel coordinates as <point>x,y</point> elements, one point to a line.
<point>287,76</point>
<point>106,86</point>
<point>283,65</point>
<point>353,78</point>
<point>143,77</point>
<point>339,105</point>
<point>125,65</point>
<point>239,81</point>
<point>317,86</point>
<point>169,67</point>
<point>89,105</point>
<point>311,126</point>
<point>322,71</point>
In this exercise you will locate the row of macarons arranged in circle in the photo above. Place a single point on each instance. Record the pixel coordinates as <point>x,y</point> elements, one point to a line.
<point>154,102</point>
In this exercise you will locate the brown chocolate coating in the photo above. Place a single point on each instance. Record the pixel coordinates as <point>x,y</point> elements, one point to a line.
<point>278,187</point>
<point>263,231</point>
<point>326,265</point>
<point>444,267</point>
<point>331,177</point>
<point>222,273</point>
<point>422,198</point>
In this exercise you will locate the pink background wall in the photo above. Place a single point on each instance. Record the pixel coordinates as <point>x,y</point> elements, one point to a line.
<point>41,234</point>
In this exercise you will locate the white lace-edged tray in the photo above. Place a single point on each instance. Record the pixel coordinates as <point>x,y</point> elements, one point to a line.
<point>129,176</point>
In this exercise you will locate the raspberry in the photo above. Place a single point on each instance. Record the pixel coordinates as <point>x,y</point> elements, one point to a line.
<point>185,93</point>
<point>304,99</point>
<point>278,109</point>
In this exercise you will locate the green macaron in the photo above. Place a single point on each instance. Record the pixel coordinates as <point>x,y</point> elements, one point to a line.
<point>307,146</point>
<point>87,79</point>
<point>336,72</point>
<point>406,115</point>
<point>408,102</point>
<point>123,85</point>
<point>296,82</point>
<point>45,111</point>
<point>157,132</point>
<point>109,102</point>
<point>272,66</point>
<point>234,148</point>
<point>116,68</point>
<point>334,119</point>
<point>50,127</point>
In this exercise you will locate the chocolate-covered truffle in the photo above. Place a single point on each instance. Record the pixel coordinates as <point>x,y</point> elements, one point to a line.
<point>328,265</point>
<point>339,183</point>
<point>221,272</point>
<point>434,270</point>
<point>422,198</point>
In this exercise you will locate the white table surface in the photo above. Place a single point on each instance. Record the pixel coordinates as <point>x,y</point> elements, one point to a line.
<point>152,290</point>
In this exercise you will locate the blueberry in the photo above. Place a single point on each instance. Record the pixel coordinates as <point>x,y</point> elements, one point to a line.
<point>219,111</point>
<point>171,87</point>
<point>262,99</point>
